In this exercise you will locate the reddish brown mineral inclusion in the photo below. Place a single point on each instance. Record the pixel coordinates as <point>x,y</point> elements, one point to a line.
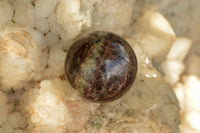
<point>101,66</point>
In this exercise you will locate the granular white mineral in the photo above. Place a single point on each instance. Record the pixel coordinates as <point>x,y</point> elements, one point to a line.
<point>36,98</point>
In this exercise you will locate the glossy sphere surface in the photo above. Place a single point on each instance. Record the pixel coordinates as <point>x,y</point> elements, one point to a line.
<point>101,66</point>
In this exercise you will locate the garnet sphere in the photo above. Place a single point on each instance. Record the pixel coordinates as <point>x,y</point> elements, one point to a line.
<point>101,66</point>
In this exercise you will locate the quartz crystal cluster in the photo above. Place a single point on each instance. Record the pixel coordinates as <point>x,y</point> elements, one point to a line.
<point>35,38</point>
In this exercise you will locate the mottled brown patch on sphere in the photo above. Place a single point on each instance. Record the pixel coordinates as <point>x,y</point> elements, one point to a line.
<point>101,66</point>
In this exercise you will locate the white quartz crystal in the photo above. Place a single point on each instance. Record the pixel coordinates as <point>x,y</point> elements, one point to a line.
<point>35,97</point>
<point>6,11</point>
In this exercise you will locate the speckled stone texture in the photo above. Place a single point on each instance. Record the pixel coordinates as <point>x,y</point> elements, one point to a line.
<point>101,66</point>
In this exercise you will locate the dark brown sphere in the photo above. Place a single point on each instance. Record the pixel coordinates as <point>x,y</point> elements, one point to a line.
<point>101,66</point>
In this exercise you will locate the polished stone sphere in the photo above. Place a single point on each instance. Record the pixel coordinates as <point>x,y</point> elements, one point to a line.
<point>101,66</point>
